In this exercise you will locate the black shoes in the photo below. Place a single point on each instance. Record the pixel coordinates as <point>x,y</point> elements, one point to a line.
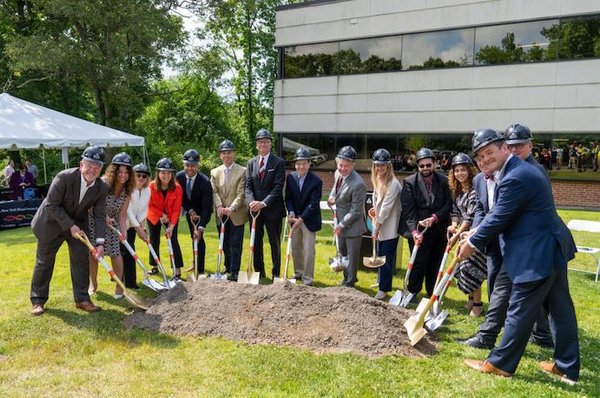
<point>476,342</point>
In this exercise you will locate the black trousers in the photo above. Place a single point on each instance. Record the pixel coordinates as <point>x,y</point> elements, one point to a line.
<point>201,245</point>
<point>274,232</point>
<point>232,247</point>
<point>129,275</point>
<point>428,260</point>
<point>44,267</point>
<point>155,232</point>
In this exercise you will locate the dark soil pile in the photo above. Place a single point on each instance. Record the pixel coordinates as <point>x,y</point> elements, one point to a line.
<point>318,319</point>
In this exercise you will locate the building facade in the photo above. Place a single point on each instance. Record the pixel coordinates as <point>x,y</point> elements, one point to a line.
<point>405,74</point>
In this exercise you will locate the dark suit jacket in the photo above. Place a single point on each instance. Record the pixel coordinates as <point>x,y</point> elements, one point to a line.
<point>533,239</point>
<point>270,189</point>
<point>201,201</point>
<point>61,209</point>
<point>305,203</point>
<point>416,205</point>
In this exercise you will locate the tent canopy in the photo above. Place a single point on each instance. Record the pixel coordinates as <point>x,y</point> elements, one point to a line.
<point>27,125</point>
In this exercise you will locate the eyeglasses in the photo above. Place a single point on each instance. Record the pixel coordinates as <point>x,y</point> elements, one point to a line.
<point>425,165</point>
<point>142,176</point>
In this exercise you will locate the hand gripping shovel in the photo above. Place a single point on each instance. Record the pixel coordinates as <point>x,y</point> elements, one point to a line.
<point>373,262</point>
<point>218,275</point>
<point>338,263</point>
<point>167,283</point>
<point>251,276</point>
<point>288,254</point>
<point>133,298</point>
<point>414,324</point>
<point>150,283</point>
<point>402,298</point>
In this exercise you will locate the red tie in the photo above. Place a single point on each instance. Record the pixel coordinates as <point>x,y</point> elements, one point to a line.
<point>261,167</point>
<point>339,184</point>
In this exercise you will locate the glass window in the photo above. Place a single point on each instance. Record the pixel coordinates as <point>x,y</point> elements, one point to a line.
<point>310,60</point>
<point>575,38</point>
<point>515,43</point>
<point>370,55</point>
<point>438,49</point>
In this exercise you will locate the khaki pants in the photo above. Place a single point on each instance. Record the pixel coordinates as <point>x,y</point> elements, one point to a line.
<point>303,254</point>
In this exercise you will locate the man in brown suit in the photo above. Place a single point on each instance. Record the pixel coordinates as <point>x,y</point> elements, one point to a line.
<point>227,183</point>
<point>62,216</point>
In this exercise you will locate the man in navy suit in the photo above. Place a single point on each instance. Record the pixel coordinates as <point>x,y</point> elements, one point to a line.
<point>197,201</point>
<point>518,138</point>
<point>303,191</point>
<point>265,176</point>
<point>536,246</point>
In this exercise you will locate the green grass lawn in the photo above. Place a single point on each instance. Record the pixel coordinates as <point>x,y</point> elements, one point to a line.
<point>70,353</point>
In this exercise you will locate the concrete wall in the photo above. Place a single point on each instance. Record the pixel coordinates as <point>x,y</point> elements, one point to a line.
<point>366,18</point>
<point>553,97</point>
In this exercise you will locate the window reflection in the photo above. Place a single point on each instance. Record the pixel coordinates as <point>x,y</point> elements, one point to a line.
<point>537,41</point>
<point>438,49</point>
<point>514,43</point>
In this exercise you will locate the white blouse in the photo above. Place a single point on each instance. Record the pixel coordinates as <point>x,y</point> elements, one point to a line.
<point>138,207</point>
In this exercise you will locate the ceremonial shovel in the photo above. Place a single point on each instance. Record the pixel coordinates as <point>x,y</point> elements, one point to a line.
<point>130,296</point>
<point>288,254</point>
<point>218,275</point>
<point>250,276</point>
<point>402,298</point>
<point>150,283</point>
<point>373,262</point>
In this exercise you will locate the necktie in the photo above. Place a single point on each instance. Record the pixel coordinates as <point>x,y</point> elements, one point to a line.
<point>489,177</point>
<point>300,183</point>
<point>338,185</point>
<point>261,169</point>
<point>188,188</point>
<point>227,172</point>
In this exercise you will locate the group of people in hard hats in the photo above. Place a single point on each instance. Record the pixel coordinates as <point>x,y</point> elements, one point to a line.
<point>503,218</point>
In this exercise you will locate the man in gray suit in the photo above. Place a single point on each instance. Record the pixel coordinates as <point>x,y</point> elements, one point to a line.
<point>62,216</point>
<point>348,195</point>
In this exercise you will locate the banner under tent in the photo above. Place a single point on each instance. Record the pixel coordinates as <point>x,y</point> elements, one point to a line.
<point>25,125</point>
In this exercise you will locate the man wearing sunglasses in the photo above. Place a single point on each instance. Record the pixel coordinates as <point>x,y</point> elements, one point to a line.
<point>426,203</point>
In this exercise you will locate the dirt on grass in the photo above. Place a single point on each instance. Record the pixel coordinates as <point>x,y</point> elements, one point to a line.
<point>323,320</point>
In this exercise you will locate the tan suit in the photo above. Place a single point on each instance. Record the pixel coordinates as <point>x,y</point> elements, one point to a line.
<point>231,194</point>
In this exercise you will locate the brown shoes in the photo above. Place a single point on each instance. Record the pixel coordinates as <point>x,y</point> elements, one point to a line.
<point>38,309</point>
<point>486,367</point>
<point>87,306</point>
<point>550,368</point>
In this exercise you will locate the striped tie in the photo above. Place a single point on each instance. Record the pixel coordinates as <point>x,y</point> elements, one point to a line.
<point>261,170</point>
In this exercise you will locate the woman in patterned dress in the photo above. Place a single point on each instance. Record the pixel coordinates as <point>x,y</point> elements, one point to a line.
<point>119,177</point>
<point>473,271</point>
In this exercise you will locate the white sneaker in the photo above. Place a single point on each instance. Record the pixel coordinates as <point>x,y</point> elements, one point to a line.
<point>380,295</point>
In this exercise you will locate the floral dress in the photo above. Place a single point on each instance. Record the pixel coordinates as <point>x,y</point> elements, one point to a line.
<point>472,271</point>
<point>113,207</point>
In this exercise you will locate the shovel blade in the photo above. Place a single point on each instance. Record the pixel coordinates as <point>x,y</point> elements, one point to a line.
<point>154,285</point>
<point>218,277</point>
<point>374,262</point>
<point>278,280</point>
<point>414,328</point>
<point>250,277</point>
<point>437,321</point>
<point>406,299</point>
<point>422,305</point>
<point>136,300</point>
<point>396,298</point>
<point>243,277</point>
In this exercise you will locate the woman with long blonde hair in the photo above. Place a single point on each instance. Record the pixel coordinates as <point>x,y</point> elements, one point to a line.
<point>386,202</point>
<point>473,271</point>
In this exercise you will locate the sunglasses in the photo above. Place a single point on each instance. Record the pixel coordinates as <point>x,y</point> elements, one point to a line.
<point>425,165</point>
<point>142,176</point>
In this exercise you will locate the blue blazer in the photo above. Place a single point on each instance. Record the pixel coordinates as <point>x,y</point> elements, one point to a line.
<point>533,239</point>
<point>201,201</point>
<point>305,204</point>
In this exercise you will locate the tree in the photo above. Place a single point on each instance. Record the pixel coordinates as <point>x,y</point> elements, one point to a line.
<point>111,50</point>
<point>244,31</point>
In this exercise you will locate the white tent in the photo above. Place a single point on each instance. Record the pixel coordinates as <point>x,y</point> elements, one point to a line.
<point>24,125</point>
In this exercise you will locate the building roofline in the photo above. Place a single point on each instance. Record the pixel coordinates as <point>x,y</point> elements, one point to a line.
<point>306,3</point>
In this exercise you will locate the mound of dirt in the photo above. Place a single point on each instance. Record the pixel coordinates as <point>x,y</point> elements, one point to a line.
<point>319,319</point>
